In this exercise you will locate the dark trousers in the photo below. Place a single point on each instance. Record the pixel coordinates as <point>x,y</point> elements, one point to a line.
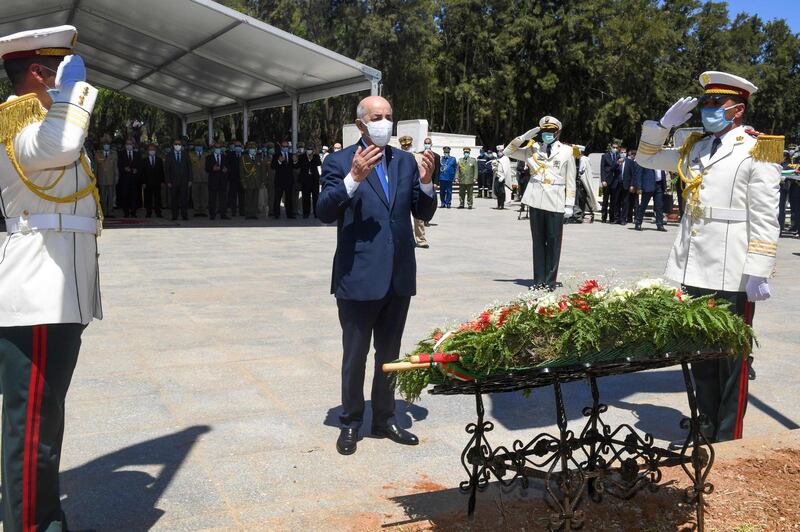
<point>251,203</point>
<point>500,194</point>
<point>721,385</point>
<point>446,193</point>
<point>658,206</point>
<point>179,200</point>
<point>310,196</point>
<point>284,188</point>
<point>235,196</point>
<point>386,319</point>
<point>794,202</point>
<point>36,365</point>
<point>630,201</point>
<point>546,231</point>
<point>129,194</point>
<point>217,196</point>
<point>784,194</point>
<point>152,198</point>
<point>606,204</point>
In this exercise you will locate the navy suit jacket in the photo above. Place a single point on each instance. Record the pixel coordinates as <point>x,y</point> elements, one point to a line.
<point>646,180</point>
<point>375,246</point>
<point>629,173</point>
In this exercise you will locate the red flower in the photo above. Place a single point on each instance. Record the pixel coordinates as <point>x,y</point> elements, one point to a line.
<point>563,304</point>
<point>544,311</point>
<point>589,287</point>
<point>581,305</point>
<point>437,336</point>
<point>504,315</point>
<point>679,294</point>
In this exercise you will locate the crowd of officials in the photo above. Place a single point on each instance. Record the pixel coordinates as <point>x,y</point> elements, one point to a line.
<point>218,181</point>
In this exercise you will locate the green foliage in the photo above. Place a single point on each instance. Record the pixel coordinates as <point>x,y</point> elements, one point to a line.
<point>589,328</point>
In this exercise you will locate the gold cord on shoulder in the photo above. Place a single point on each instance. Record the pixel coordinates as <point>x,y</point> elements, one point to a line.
<point>691,184</point>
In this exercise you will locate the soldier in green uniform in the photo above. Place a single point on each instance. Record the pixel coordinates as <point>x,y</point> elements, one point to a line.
<point>466,176</point>
<point>199,179</point>
<point>269,178</point>
<point>252,172</point>
<point>105,163</point>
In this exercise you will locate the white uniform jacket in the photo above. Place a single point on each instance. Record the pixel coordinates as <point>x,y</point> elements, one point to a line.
<point>502,170</point>
<point>47,276</point>
<point>552,184</point>
<point>734,232</point>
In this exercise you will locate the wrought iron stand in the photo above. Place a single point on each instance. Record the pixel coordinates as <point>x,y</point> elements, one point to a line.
<point>602,460</point>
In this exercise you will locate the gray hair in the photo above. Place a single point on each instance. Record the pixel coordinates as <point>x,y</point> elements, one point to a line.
<point>361,111</point>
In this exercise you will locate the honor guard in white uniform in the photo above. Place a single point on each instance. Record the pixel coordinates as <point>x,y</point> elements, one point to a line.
<point>49,289</point>
<point>550,193</point>
<point>729,232</point>
<point>501,168</point>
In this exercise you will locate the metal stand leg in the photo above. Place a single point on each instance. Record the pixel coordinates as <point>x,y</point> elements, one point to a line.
<point>699,472</point>
<point>567,517</point>
<point>476,455</point>
<point>592,439</point>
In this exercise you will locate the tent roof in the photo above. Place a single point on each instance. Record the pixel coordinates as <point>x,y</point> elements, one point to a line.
<point>192,57</point>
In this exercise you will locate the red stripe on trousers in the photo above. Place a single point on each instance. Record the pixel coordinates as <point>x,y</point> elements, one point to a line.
<point>31,453</point>
<point>743,376</point>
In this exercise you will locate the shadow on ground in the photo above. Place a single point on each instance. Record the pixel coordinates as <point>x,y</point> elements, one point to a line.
<point>512,508</point>
<point>113,493</point>
<point>405,414</point>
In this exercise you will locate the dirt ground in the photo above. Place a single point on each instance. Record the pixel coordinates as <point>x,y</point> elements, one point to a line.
<point>757,493</point>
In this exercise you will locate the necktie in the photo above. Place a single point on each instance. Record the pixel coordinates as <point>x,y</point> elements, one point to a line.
<point>152,161</point>
<point>548,149</point>
<point>179,158</point>
<point>384,181</point>
<point>217,160</point>
<point>715,145</point>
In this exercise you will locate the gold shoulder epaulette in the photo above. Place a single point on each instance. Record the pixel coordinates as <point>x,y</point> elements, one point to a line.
<point>576,152</point>
<point>18,114</point>
<point>768,148</point>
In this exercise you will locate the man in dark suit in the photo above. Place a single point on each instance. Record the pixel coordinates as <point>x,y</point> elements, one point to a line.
<point>152,177</point>
<point>652,184</point>
<point>309,181</point>
<point>217,168</point>
<point>630,198</point>
<point>128,187</point>
<point>372,190</point>
<point>283,165</point>
<point>178,173</point>
<point>609,177</point>
<point>235,190</point>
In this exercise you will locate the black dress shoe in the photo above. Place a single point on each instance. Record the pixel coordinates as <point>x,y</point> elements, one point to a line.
<point>347,442</point>
<point>638,227</point>
<point>396,434</point>
<point>661,228</point>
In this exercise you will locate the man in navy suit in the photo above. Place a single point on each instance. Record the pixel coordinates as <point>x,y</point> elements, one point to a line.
<point>609,177</point>
<point>372,190</point>
<point>652,184</point>
<point>630,198</point>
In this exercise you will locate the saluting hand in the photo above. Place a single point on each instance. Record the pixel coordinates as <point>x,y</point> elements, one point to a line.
<point>426,167</point>
<point>364,161</point>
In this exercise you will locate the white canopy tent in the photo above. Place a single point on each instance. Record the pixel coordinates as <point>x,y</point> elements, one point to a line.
<point>195,58</point>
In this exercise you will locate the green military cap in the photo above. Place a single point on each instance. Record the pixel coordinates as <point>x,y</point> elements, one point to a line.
<point>252,144</point>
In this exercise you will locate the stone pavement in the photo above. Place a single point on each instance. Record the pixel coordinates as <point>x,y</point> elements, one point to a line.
<point>208,396</point>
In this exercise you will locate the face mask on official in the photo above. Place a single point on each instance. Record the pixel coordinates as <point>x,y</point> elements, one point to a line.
<point>379,131</point>
<point>106,147</point>
<point>427,146</point>
<point>177,147</point>
<point>217,151</point>
<point>151,152</point>
<point>714,119</point>
<point>252,152</point>
<point>198,150</point>
<point>548,138</point>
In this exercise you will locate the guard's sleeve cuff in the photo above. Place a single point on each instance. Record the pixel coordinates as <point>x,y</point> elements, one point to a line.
<point>760,260</point>
<point>350,185</point>
<point>74,104</point>
<point>653,138</point>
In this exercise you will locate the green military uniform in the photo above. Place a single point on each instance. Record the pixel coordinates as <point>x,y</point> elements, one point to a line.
<point>269,182</point>
<point>107,172</point>
<point>199,179</point>
<point>466,176</point>
<point>49,282</point>
<point>252,172</point>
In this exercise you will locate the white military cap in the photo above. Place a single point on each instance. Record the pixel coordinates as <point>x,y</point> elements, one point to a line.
<point>720,83</point>
<point>55,42</point>
<point>550,122</point>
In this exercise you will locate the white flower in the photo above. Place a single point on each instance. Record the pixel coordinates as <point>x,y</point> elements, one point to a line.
<point>618,294</point>
<point>644,284</point>
<point>546,302</point>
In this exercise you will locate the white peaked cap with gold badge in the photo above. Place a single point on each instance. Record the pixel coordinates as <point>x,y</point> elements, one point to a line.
<point>549,122</point>
<point>54,42</point>
<point>721,83</point>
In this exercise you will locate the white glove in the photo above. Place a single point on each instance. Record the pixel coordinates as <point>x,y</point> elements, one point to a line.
<point>757,289</point>
<point>70,71</point>
<point>531,133</point>
<point>569,211</point>
<point>679,113</point>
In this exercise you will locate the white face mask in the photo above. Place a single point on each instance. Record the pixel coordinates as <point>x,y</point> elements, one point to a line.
<point>151,152</point>
<point>380,132</point>
<point>177,147</point>
<point>106,147</point>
